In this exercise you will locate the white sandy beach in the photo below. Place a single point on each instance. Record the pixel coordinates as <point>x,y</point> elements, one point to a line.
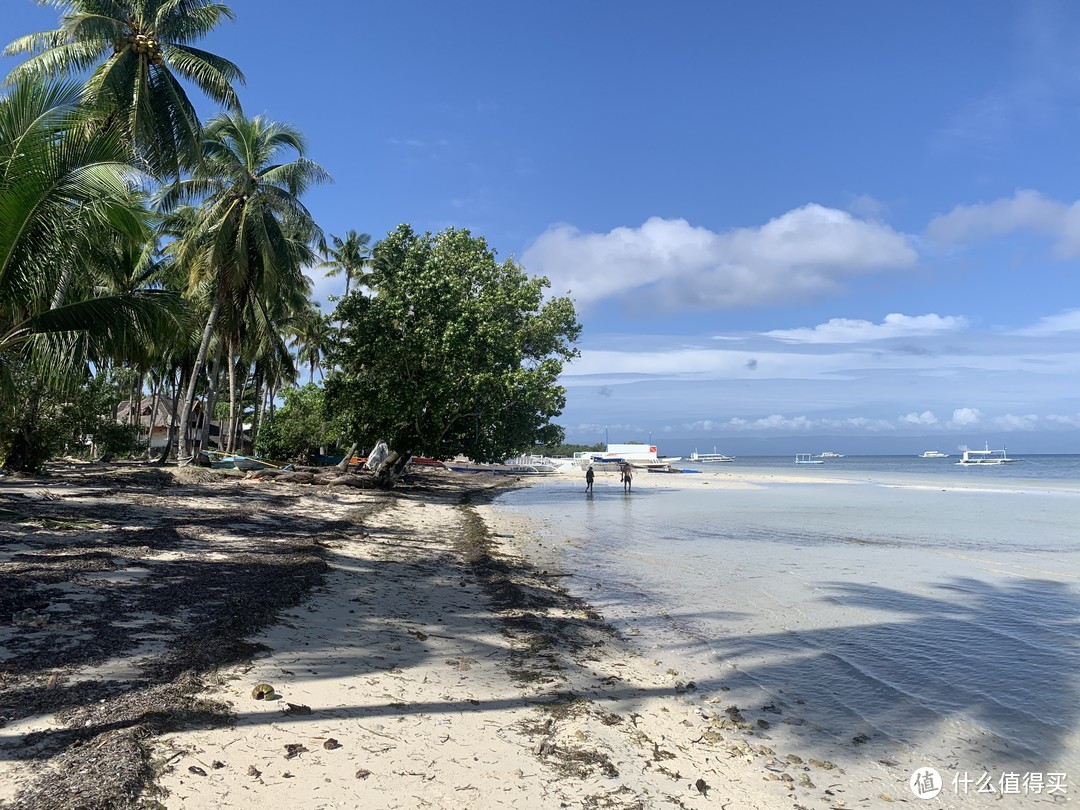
<point>434,700</point>
<point>442,665</point>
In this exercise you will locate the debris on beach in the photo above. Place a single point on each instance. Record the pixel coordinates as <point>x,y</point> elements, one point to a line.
<point>294,750</point>
<point>263,691</point>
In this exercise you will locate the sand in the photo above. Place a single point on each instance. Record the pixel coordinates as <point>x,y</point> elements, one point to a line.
<point>427,664</point>
<point>419,646</point>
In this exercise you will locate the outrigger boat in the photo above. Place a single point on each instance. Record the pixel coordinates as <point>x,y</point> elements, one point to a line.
<point>709,458</point>
<point>986,456</point>
<point>231,461</point>
<point>807,458</point>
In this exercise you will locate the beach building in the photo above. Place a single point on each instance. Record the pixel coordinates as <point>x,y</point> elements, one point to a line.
<point>155,414</point>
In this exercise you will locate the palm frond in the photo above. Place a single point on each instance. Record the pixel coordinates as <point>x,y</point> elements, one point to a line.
<point>212,74</point>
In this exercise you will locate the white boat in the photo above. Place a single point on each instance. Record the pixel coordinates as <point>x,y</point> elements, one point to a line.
<point>986,456</point>
<point>636,455</point>
<point>543,463</point>
<point>830,454</point>
<point>709,458</point>
<point>807,458</point>
<point>933,454</point>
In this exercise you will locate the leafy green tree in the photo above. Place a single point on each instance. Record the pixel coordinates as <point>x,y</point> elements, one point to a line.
<point>48,421</point>
<point>299,428</point>
<point>137,49</point>
<point>453,352</point>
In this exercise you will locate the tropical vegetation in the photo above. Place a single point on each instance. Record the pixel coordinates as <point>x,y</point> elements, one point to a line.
<point>148,257</point>
<point>452,352</point>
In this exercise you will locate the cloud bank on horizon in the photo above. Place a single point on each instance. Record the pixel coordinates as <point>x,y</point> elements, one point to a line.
<point>956,372</point>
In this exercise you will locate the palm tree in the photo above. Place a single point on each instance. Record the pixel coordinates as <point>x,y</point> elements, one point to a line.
<point>348,256</point>
<point>69,217</point>
<point>67,210</point>
<point>312,332</point>
<point>250,235</point>
<point>136,49</point>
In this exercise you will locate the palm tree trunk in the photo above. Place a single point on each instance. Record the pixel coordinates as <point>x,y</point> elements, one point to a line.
<point>230,443</point>
<point>239,438</point>
<point>154,397</point>
<point>62,285</point>
<point>173,424</point>
<point>256,410</point>
<point>184,455</point>
<point>211,402</point>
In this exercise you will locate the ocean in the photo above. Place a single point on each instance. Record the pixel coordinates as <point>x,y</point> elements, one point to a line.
<point>891,609</point>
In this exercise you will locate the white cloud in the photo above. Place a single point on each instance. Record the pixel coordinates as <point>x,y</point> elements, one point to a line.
<point>924,418</point>
<point>778,423</point>
<point>799,255</point>
<point>1065,421</point>
<point>1026,211</point>
<point>847,330</point>
<point>965,417</point>
<point>323,286</point>
<point>1013,422</point>
<point>1067,321</point>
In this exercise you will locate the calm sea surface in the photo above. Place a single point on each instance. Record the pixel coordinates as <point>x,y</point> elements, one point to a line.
<point>929,609</point>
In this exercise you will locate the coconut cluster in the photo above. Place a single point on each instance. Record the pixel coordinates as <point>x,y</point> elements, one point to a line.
<point>147,46</point>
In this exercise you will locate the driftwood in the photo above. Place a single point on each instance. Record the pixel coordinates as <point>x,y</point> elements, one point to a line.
<point>265,472</point>
<point>355,481</point>
<point>295,478</point>
<point>343,465</point>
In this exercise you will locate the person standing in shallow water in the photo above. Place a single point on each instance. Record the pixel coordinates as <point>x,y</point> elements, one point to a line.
<point>590,476</point>
<point>627,475</point>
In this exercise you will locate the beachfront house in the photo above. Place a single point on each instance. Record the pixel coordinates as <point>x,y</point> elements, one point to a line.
<point>154,416</point>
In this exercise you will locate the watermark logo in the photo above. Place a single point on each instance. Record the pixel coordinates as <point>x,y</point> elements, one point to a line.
<point>925,783</point>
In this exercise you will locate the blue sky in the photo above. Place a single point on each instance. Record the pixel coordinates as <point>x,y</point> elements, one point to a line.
<point>783,222</point>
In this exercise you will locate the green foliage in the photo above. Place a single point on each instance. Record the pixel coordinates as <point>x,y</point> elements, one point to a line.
<point>299,428</point>
<point>452,353</point>
<point>67,213</point>
<point>49,423</point>
<point>137,49</point>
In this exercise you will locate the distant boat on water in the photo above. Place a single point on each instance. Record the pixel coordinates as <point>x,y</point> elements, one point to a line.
<point>807,458</point>
<point>830,454</point>
<point>933,454</point>
<point>709,458</point>
<point>986,456</point>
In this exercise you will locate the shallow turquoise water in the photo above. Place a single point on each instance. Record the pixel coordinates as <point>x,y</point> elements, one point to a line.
<point>939,622</point>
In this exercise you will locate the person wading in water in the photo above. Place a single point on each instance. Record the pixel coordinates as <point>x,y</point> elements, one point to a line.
<point>590,476</point>
<point>627,475</point>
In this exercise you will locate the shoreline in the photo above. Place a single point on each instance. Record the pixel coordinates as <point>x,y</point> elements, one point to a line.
<point>874,758</point>
<point>429,666</point>
<point>437,661</point>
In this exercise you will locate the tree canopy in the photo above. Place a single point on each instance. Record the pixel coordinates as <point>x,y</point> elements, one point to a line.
<point>452,352</point>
